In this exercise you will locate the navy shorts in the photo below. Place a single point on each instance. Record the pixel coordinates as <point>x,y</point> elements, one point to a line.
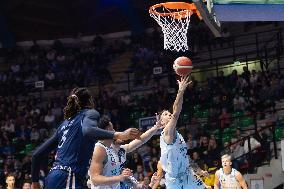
<point>61,179</point>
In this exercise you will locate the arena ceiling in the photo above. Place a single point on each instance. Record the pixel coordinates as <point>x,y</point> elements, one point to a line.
<point>49,19</point>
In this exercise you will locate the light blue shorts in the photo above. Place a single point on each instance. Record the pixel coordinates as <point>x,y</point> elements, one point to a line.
<point>185,181</point>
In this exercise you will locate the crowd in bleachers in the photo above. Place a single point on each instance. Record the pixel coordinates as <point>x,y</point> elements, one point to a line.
<point>26,120</point>
<point>59,67</point>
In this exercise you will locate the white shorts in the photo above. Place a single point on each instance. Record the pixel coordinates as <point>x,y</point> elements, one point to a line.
<point>187,181</point>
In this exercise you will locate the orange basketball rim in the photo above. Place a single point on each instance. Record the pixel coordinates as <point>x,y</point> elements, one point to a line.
<point>181,8</point>
<point>174,18</point>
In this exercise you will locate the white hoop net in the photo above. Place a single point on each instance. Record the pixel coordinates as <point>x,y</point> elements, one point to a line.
<point>174,28</point>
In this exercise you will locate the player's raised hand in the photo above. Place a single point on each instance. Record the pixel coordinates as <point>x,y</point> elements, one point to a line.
<point>130,133</point>
<point>183,83</point>
<point>158,123</point>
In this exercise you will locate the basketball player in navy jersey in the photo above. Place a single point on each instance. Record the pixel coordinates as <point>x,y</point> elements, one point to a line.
<point>74,141</point>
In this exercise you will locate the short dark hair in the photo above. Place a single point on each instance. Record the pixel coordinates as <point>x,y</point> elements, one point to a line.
<point>104,122</point>
<point>26,181</point>
<point>161,112</point>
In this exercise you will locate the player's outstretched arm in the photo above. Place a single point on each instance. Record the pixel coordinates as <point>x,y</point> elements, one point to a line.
<point>133,145</point>
<point>169,130</point>
<point>131,133</point>
<point>96,169</point>
<point>91,130</point>
<point>158,177</point>
<point>37,156</point>
<point>241,180</point>
<point>216,181</point>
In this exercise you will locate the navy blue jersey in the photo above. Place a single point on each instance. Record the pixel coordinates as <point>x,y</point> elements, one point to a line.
<point>74,140</point>
<point>74,150</point>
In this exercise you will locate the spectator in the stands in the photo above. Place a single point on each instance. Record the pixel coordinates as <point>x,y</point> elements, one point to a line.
<point>26,185</point>
<point>134,160</point>
<point>239,134</point>
<point>226,149</point>
<point>191,143</point>
<point>203,146</point>
<point>23,133</point>
<point>262,137</point>
<point>255,148</point>
<point>139,171</point>
<point>246,74</point>
<point>233,78</point>
<point>9,126</point>
<point>254,144</point>
<point>221,77</point>
<point>242,84</point>
<point>49,76</point>
<point>10,182</point>
<point>225,118</point>
<point>212,119</point>
<point>15,68</point>
<point>253,78</point>
<point>146,182</point>
<point>56,110</point>
<point>237,153</point>
<point>239,103</point>
<point>153,164</point>
<point>8,149</point>
<point>213,150</point>
<point>34,136</point>
<point>200,162</point>
<point>49,119</point>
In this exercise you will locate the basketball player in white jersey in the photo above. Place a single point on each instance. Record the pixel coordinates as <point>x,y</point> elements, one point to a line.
<point>105,170</point>
<point>174,159</point>
<point>228,177</point>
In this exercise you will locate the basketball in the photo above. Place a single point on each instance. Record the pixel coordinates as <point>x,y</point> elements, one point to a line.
<point>182,66</point>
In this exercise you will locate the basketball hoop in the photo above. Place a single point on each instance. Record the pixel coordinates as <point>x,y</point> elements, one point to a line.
<point>174,18</point>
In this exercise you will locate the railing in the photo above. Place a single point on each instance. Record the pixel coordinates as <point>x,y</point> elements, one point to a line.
<point>274,127</point>
<point>273,45</point>
<point>238,47</point>
<point>262,47</point>
<point>263,152</point>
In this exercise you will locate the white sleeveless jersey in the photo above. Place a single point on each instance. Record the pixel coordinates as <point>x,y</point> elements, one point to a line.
<point>174,159</point>
<point>175,163</point>
<point>228,181</point>
<point>115,159</point>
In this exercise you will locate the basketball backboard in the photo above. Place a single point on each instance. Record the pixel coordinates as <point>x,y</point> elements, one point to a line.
<point>246,10</point>
<point>208,15</point>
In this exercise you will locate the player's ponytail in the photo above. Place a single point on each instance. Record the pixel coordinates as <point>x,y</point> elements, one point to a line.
<point>79,98</point>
